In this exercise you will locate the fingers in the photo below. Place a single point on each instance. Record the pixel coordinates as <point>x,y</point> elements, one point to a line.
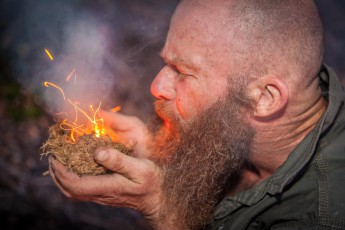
<point>128,130</point>
<point>119,121</point>
<point>88,187</point>
<point>132,168</point>
<point>136,183</point>
<point>52,166</point>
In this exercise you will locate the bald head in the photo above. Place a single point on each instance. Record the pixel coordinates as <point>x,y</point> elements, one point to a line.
<point>282,37</point>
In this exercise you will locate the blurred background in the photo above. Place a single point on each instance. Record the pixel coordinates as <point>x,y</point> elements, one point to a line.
<point>118,42</point>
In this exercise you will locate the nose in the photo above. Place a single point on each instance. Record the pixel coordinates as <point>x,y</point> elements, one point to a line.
<point>163,86</point>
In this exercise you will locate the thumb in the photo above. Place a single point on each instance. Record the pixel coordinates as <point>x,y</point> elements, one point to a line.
<point>118,162</point>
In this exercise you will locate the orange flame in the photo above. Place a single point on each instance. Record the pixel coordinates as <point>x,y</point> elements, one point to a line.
<point>94,125</point>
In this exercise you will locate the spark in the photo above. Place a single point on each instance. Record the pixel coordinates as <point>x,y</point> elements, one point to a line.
<point>49,54</point>
<point>76,130</point>
<point>95,113</point>
<point>72,135</point>
<point>91,109</point>
<point>82,111</point>
<point>116,109</point>
<point>70,75</point>
<point>76,115</point>
<point>47,84</point>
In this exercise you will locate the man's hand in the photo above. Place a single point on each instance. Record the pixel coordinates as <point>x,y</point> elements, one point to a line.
<point>129,129</point>
<point>135,183</point>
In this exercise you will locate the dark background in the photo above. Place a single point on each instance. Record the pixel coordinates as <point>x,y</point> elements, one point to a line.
<point>29,200</point>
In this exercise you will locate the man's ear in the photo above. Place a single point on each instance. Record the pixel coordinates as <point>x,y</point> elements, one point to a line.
<point>270,96</point>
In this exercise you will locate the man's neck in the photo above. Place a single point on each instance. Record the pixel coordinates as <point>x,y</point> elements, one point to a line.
<point>274,141</point>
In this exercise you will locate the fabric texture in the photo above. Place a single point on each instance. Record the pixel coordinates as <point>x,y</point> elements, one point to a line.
<point>308,190</point>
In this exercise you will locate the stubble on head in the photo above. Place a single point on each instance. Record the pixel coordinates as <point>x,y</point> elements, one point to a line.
<point>199,158</point>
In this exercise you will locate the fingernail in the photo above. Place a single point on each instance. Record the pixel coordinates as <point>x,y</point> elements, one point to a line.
<point>101,155</point>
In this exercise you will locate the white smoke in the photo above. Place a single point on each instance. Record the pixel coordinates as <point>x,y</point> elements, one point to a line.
<point>84,54</point>
<point>112,45</point>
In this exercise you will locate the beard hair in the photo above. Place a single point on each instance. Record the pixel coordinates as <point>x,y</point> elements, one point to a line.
<point>199,158</point>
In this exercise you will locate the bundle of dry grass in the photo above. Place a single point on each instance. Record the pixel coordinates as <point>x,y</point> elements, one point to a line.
<point>78,155</point>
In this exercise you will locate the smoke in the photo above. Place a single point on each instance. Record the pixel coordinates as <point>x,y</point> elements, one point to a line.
<point>84,55</point>
<point>78,41</point>
<point>113,47</point>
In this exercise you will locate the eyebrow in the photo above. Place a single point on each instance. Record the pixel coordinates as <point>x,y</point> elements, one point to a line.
<point>178,62</point>
<point>164,57</point>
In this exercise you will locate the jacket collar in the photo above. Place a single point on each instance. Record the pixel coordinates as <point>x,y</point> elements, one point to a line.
<point>333,91</point>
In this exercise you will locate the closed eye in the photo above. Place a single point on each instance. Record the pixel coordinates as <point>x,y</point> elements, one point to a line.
<point>178,71</point>
<point>175,69</point>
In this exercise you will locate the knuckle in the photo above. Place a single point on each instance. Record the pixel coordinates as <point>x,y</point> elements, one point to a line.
<point>75,188</point>
<point>142,189</point>
<point>118,190</point>
<point>147,174</point>
<point>150,170</point>
<point>150,178</point>
<point>116,162</point>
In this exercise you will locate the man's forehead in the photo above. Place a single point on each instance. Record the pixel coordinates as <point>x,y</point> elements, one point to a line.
<point>193,62</point>
<point>216,8</point>
<point>198,34</point>
<point>207,3</point>
<point>210,19</point>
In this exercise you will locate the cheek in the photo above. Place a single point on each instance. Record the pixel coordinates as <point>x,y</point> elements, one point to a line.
<point>184,106</point>
<point>192,99</point>
<point>189,101</point>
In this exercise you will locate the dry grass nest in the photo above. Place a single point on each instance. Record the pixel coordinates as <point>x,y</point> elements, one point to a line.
<point>78,155</point>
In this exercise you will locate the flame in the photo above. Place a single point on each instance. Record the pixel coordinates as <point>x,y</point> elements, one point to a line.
<point>95,122</point>
<point>49,54</point>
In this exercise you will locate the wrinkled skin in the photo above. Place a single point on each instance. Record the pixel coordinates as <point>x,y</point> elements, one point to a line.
<point>136,180</point>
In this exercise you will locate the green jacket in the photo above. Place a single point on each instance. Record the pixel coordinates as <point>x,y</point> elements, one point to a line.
<point>308,190</point>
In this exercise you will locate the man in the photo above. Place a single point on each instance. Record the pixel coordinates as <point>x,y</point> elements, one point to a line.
<point>251,131</point>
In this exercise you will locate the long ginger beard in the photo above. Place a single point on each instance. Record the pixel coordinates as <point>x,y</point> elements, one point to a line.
<point>198,159</point>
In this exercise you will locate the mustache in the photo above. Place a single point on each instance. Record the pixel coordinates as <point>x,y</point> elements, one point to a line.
<point>164,111</point>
